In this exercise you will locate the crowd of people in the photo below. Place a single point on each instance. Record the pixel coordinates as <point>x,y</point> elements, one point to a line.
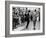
<point>22,15</point>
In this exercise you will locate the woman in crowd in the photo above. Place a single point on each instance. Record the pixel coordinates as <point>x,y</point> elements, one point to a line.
<point>34,19</point>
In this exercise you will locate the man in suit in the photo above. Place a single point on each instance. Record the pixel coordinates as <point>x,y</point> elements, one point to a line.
<point>27,18</point>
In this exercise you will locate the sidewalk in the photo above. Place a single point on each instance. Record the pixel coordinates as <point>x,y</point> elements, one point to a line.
<point>21,27</point>
<point>30,27</point>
